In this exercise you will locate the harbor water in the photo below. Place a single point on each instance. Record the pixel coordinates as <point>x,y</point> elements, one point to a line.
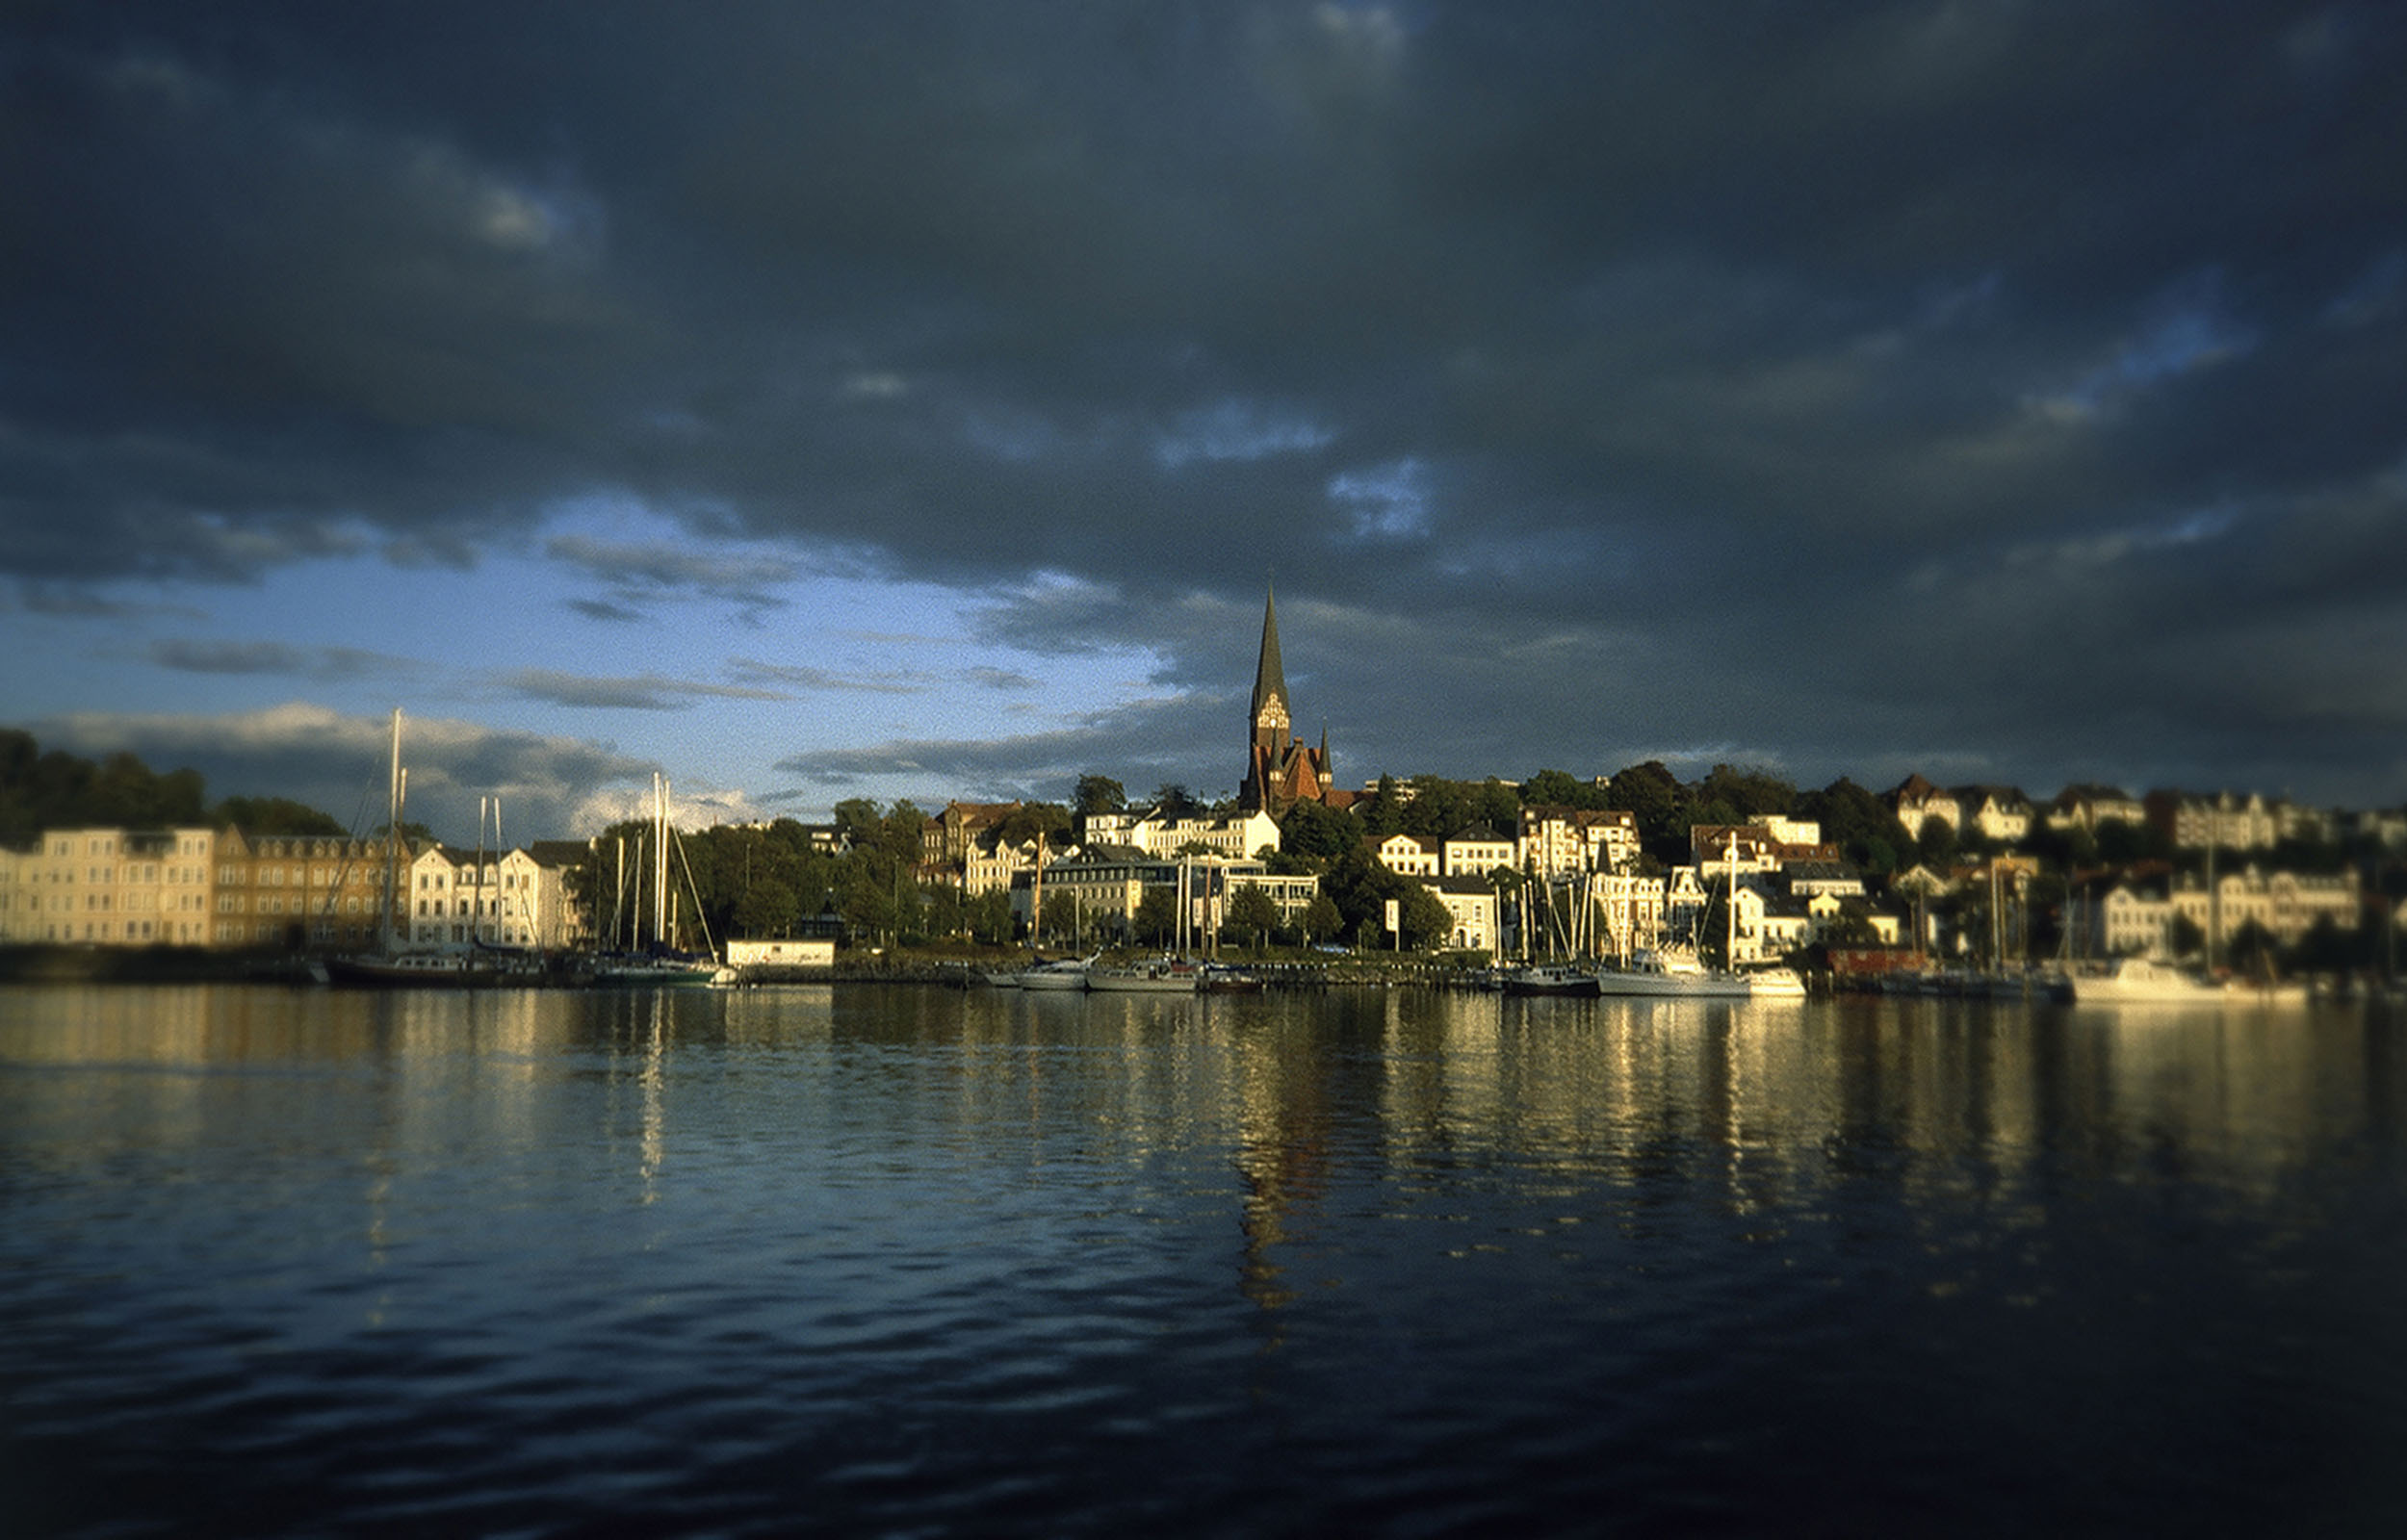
<point>894,1260</point>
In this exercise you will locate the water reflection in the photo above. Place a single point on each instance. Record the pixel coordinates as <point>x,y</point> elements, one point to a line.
<point>1786,1096</point>
<point>1337,1257</point>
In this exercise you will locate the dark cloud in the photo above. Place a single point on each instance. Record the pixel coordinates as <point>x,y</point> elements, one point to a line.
<point>804,678</point>
<point>648,692</point>
<point>641,572</point>
<point>548,786</point>
<point>1853,385</point>
<point>1143,746</point>
<point>200,657</point>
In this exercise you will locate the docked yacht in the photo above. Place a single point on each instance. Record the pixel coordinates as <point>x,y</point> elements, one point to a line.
<point>1549,978</point>
<point>2137,980</point>
<point>1675,975</point>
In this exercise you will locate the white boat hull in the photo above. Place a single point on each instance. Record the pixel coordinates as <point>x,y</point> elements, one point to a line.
<point>1775,984</point>
<point>2137,981</point>
<point>1102,982</point>
<point>1045,978</point>
<point>1673,985</point>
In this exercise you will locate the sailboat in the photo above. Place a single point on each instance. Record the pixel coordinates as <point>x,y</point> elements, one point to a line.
<point>391,965</point>
<point>1552,976</point>
<point>660,963</point>
<point>1677,972</point>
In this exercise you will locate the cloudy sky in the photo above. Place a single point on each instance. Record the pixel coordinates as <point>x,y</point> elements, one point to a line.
<point>814,402</point>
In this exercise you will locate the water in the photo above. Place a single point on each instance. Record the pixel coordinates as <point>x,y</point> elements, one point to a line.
<point>914,1262</point>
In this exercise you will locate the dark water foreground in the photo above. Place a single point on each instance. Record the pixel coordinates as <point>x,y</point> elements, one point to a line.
<point>903,1261</point>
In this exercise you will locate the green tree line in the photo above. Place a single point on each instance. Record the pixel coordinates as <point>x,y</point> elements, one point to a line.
<point>56,789</point>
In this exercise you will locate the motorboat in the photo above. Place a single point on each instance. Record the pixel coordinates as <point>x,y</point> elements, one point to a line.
<point>1774,984</point>
<point>1159,977</point>
<point>414,970</point>
<point>1550,979</point>
<point>1675,975</point>
<point>1066,974</point>
<point>2139,981</point>
<point>649,971</point>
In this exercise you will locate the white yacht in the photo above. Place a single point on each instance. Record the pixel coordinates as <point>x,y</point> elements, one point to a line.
<point>1672,975</point>
<point>2137,981</point>
<point>1775,984</point>
<point>1068,974</point>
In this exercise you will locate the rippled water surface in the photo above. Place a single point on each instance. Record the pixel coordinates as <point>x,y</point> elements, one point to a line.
<point>908,1261</point>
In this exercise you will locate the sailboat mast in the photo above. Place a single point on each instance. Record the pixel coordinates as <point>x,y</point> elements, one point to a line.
<point>1730,947</point>
<point>392,834</point>
<point>659,857</point>
<point>476,916</point>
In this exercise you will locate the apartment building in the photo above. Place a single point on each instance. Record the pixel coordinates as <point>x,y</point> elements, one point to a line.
<point>109,888</point>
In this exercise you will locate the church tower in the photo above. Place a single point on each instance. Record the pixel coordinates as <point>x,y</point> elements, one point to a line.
<point>1279,771</point>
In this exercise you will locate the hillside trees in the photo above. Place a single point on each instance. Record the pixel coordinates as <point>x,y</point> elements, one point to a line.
<point>1859,823</point>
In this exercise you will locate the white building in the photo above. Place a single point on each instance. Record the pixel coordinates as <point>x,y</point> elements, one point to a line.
<point>1471,903</point>
<point>1477,855</point>
<point>1916,802</point>
<point>1235,837</point>
<point>2089,807</point>
<point>110,887</point>
<point>2284,905</point>
<point>801,953</point>
<point>1999,814</point>
<point>1558,841</point>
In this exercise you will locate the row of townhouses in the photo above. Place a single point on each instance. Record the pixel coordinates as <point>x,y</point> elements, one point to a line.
<point>222,888</point>
<point>2141,917</point>
<point>2189,820</point>
<point>1569,875</point>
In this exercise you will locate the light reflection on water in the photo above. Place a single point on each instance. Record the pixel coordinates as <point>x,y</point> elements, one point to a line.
<point>907,1260</point>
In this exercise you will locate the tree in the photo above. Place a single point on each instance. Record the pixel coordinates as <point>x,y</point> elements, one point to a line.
<point>1560,789</point>
<point>1426,922</point>
<point>1318,833</point>
<point>1176,801</point>
<point>1056,822</point>
<point>2183,938</point>
<point>1098,794</point>
<point>1658,804</point>
<point>767,908</point>
<point>275,815</point>
<point>1746,792</point>
<point>858,821</point>
<point>1859,823</point>
<point>1382,814</point>
<point>988,916</point>
<point>1935,846</point>
<point>1320,919</point>
<point>1156,916</point>
<point>1250,910</point>
<point>2252,951</point>
<point>2121,842</point>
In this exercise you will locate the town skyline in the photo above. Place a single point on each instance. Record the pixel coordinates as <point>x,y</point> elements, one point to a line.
<point>811,405</point>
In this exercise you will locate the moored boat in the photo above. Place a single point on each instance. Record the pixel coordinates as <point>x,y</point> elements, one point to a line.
<point>1560,979</point>
<point>1673,976</point>
<point>2137,980</point>
<point>1774,984</point>
<point>649,971</point>
<point>1070,973</point>
<point>1159,977</point>
<point>1219,978</point>
<point>419,970</point>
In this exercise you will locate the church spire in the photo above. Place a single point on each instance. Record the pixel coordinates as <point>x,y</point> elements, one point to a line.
<point>1270,676</point>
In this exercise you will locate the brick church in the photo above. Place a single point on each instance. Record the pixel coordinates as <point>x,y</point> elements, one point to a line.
<point>1279,771</point>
